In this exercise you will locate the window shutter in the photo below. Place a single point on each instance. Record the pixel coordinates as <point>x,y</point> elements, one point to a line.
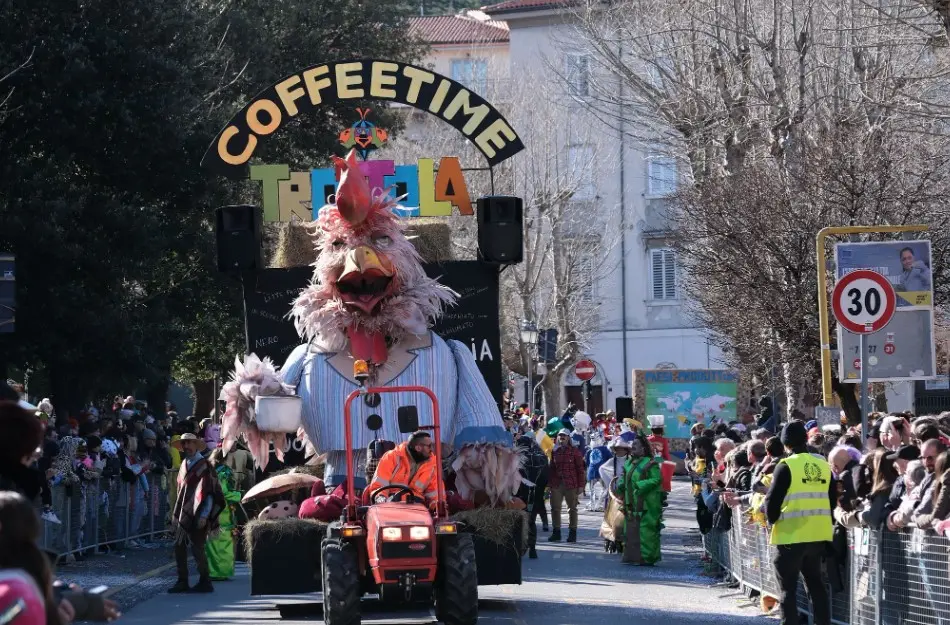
<point>663,274</point>
<point>669,274</point>
<point>657,271</point>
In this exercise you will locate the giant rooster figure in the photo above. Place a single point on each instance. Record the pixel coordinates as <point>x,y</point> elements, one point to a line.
<point>371,300</point>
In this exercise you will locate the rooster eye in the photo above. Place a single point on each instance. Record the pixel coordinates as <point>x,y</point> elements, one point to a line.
<point>338,244</point>
<point>382,242</point>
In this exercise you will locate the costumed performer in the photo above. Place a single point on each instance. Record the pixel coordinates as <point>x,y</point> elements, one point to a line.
<point>534,474</point>
<point>220,549</point>
<point>195,518</point>
<point>595,457</point>
<point>370,299</point>
<point>641,493</point>
<point>611,474</point>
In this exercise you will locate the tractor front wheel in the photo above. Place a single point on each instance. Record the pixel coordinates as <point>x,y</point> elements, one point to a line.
<point>341,584</point>
<point>456,590</point>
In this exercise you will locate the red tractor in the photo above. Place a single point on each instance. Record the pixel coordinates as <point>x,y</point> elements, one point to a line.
<point>395,546</point>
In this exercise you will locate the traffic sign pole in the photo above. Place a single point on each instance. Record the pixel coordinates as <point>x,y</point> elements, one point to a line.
<point>865,408</point>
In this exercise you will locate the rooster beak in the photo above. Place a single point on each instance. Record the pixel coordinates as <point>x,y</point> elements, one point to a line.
<point>364,260</point>
<point>366,278</point>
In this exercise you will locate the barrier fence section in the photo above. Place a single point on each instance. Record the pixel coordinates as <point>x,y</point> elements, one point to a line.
<point>889,578</point>
<point>108,512</point>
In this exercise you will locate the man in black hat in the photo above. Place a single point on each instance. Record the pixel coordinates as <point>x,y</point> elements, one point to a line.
<point>799,508</point>
<point>901,457</point>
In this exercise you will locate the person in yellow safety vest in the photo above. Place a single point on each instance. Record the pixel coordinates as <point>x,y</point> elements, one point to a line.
<point>410,464</point>
<point>798,507</point>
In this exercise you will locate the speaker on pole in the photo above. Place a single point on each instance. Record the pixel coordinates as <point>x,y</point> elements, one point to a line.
<point>500,229</point>
<point>238,235</point>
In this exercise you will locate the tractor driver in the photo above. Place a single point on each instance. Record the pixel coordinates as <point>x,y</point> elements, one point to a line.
<point>410,464</point>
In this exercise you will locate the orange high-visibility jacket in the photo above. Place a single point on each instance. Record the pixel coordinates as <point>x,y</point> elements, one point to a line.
<point>395,468</point>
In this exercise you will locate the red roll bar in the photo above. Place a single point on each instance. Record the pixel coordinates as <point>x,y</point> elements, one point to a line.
<point>441,509</point>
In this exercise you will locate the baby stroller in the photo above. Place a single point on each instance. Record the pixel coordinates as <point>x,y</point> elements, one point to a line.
<point>611,528</point>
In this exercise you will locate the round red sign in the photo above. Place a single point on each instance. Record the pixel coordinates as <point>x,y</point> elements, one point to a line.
<point>857,363</point>
<point>889,348</point>
<point>585,370</point>
<point>863,301</point>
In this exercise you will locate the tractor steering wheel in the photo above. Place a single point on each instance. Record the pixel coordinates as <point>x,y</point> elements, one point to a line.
<point>401,489</point>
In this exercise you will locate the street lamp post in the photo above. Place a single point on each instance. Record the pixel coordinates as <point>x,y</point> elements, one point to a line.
<point>529,338</point>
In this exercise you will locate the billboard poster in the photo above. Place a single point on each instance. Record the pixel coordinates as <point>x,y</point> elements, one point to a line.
<point>685,398</point>
<point>904,349</point>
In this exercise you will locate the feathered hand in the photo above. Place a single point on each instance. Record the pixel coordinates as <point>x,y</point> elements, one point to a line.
<point>249,380</point>
<point>490,468</point>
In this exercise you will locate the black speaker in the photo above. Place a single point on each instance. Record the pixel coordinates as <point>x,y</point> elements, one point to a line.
<point>624,408</point>
<point>500,229</point>
<point>238,234</point>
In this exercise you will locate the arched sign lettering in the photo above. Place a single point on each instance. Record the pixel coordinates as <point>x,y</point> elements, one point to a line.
<point>413,86</point>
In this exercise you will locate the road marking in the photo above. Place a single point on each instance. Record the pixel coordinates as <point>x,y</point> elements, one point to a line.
<point>556,556</point>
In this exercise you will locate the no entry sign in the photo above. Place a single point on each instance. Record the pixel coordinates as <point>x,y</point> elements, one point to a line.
<point>863,301</point>
<point>585,370</point>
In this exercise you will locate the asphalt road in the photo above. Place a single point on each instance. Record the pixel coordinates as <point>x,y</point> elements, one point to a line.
<point>568,585</point>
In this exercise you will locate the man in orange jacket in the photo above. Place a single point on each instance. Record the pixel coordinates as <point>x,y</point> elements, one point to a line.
<point>410,464</point>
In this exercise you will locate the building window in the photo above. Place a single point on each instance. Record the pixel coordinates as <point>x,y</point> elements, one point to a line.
<point>663,274</point>
<point>473,73</point>
<point>581,163</point>
<point>578,75</point>
<point>661,175</point>
<point>585,275</point>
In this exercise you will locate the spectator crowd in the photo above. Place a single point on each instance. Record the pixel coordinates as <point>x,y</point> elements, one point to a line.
<point>894,478</point>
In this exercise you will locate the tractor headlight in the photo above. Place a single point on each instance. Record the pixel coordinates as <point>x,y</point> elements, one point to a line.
<point>418,533</point>
<point>392,533</point>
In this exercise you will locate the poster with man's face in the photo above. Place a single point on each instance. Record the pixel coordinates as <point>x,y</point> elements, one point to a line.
<point>904,349</point>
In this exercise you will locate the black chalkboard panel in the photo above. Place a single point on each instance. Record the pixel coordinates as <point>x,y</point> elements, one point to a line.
<point>473,321</point>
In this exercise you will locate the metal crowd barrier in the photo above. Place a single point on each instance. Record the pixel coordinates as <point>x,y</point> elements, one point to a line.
<point>890,578</point>
<point>108,512</point>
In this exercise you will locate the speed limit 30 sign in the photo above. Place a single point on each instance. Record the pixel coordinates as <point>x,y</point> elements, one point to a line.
<point>863,301</point>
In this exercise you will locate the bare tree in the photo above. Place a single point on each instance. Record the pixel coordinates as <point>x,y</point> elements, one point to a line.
<point>789,115</point>
<point>567,235</point>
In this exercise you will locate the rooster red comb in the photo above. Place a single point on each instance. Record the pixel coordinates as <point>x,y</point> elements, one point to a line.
<point>353,197</point>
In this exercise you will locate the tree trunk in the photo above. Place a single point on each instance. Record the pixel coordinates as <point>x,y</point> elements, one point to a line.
<point>157,394</point>
<point>553,402</point>
<point>849,401</point>
<point>66,397</point>
<point>204,398</point>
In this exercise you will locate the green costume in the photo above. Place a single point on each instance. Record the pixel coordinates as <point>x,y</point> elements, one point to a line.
<point>220,549</point>
<point>643,507</point>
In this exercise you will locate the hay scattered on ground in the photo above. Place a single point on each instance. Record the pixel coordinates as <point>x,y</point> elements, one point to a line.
<point>495,525</point>
<point>280,528</point>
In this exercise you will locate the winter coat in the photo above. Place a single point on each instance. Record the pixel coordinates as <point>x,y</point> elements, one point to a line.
<point>940,506</point>
<point>567,468</point>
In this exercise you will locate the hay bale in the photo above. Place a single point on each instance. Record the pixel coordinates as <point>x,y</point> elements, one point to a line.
<point>295,246</point>
<point>500,538</point>
<point>257,530</point>
<point>284,555</point>
<point>432,239</point>
<point>498,526</point>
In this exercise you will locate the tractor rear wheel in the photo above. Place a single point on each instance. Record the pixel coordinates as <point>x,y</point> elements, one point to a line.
<point>341,583</point>
<point>456,590</point>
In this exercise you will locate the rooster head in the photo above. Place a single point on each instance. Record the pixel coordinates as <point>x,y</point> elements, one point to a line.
<point>368,276</point>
